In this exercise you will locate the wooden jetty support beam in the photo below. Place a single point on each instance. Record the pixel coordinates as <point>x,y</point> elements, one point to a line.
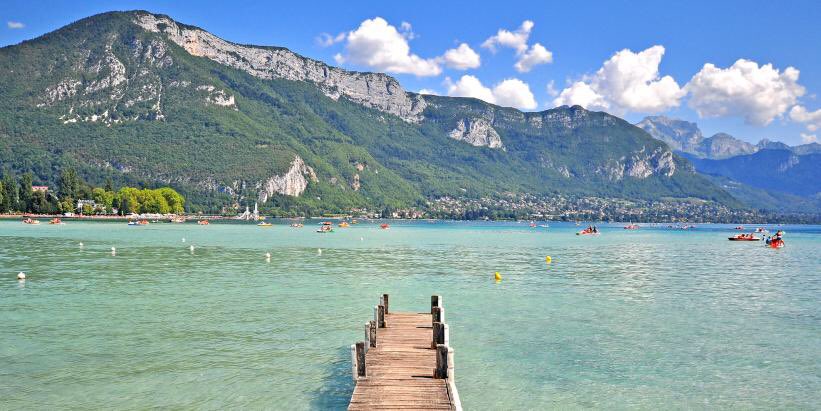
<point>405,362</point>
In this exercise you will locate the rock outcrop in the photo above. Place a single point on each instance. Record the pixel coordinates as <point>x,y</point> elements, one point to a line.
<point>373,90</point>
<point>645,164</point>
<point>292,183</point>
<point>478,132</point>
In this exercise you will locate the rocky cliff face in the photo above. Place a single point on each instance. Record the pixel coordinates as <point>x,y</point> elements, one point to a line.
<point>477,132</point>
<point>678,134</point>
<point>292,183</point>
<point>373,90</point>
<point>723,145</point>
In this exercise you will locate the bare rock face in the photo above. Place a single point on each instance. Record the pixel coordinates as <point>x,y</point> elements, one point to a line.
<point>477,132</point>
<point>373,90</point>
<point>643,164</point>
<point>292,183</point>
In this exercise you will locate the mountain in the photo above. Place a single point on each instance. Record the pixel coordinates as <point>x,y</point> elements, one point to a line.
<point>686,137</point>
<point>142,99</point>
<point>773,170</point>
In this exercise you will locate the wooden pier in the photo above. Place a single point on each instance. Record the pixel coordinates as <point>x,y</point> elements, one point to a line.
<point>405,362</point>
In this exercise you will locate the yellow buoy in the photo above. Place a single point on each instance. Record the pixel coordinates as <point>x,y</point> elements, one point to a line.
<point>548,259</point>
<point>498,276</point>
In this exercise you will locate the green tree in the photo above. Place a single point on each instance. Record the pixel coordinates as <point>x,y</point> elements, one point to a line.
<point>109,185</point>
<point>40,203</point>
<point>10,192</point>
<point>69,183</point>
<point>128,200</point>
<point>2,201</point>
<point>175,201</point>
<point>26,192</point>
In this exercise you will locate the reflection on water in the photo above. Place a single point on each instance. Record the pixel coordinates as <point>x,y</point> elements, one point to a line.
<point>629,319</point>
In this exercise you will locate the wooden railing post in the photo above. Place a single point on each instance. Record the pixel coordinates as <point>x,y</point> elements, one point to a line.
<point>367,336</point>
<point>438,315</point>
<point>381,316</point>
<point>360,360</point>
<point>438,334</point>
<point>441,371</point>
<point>385,303</point>
<point>372,332</point>
<point>354,366</point>
<point>435,301</point>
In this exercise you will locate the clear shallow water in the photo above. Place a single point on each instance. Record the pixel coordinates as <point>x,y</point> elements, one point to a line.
<point>642,319</point>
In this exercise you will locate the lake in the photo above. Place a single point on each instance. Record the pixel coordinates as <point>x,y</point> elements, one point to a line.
<point>645,319</point>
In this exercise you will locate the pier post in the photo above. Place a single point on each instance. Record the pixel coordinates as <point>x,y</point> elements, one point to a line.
<point>385,303</point>
<point>438,315</point>
<point>438,334</point>
<point>443,362</point>
<point>435,301</point>
<point>354,366</point>
<point>360,360</point>
<point>381,316</point>
<point>372,332</point>
<point>367,336</point>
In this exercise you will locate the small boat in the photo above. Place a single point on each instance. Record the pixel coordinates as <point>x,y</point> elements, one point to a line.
<point>297,225</point>
<point>264,224</point>
<point>532,225</point>
<point>760,230</point>
<point>325,227</point>
<point>203,222</point>
<point>631,226</point>
<point>143,222</point>
<point>776,244</point>
<point>741,227</point>
<point>544,226</point>
<point>177,219</point>
<point>354,222</point>
<point>744,237</point>
<point>384,226</point>
<point>56,221</point>
<point>344,224</point>
<point>585,232</point>
<point>133,223</point>
<point>29,220</point>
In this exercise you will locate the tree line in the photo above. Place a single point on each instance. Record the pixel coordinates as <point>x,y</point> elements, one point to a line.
<point>17,195</point>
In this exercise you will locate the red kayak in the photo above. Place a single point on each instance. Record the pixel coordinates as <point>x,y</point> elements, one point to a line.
<point>777,244</point>
<point>744,237</point>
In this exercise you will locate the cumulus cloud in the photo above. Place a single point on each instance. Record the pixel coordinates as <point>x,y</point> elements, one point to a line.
<point>428,91</point>
<point>327,40</point>
<point>759,94</point>
<point>509,92</point>
<point>15,25</point>
<point>379,45</point>
<point>461,58</point>
<point>808,138</point>
<point>536,55</point>
<point>627,82</point>
<point>801,115</point>
<point>528,56</point>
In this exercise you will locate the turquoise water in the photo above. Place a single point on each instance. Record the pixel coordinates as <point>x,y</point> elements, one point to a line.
<point>645,319</point>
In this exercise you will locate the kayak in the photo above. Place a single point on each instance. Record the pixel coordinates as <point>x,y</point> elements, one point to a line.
<point>586,233</point>
<point>744,239</point>
<point>776,244</point>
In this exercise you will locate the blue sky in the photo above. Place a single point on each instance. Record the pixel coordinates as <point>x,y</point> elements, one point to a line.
<point>604,55</point>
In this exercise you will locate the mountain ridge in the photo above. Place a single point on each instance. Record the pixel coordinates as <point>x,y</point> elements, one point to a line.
<point>120,95</point>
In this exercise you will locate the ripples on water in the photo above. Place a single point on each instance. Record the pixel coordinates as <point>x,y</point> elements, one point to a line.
<point>625,320</point>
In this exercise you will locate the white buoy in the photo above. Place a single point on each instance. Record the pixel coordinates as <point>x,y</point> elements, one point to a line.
<point>21,275</point>
<point>113,251</point>
<point>183,239</point>
<point>361,238</point>
<point>81,245</point>
<point>319,251</point>
<point>192,249</point>
<point>267,257</point>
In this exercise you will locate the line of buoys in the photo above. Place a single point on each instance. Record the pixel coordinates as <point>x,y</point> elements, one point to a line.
<point>21,276</point>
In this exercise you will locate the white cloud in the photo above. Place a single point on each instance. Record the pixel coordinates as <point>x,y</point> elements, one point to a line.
<point>533,57</point>
<point>758,94</point>
<point>462,58</point>
<point>327,40</point>
<point>15,25</point>
<point>470,86</point>
<point>514,93</point>
<point>627,82</point>
<point>808,138</point>
<point>528,56</point>
<point>551,89</point>
<point>379,45</point>
<point>510,92</point>
<point>812,118</point>
<point>428,91</point>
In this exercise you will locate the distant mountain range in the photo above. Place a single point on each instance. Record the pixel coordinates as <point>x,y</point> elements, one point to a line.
<point>142,99</point>
<point>769,175</point>
<point>684,136</point>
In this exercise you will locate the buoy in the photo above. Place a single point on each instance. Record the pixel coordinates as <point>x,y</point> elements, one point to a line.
<point>192,249</point>
<point>113,251</point>
<point>361,238</point>
<point>319,251</point>
<point>498,276</point>
<point>81,245</point>
<point>183,239</point>
<point>548,259</point>
<point>267,257</point>
<point>21,275</point>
